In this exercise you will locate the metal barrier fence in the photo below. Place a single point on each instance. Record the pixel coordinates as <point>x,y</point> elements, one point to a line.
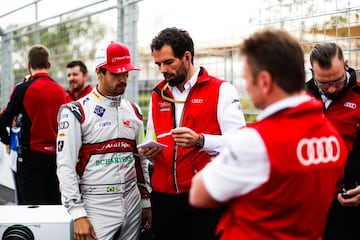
<point>76,33</point>
<point>69,35</point>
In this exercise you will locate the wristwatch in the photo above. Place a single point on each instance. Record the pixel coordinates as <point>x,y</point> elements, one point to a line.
<point>200,142</point>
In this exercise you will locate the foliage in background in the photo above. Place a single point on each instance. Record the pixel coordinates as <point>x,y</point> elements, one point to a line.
<point>249,110</point>
<point>66,42</point>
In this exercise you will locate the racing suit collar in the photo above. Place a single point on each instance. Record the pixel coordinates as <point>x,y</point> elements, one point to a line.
<point>108,100</point>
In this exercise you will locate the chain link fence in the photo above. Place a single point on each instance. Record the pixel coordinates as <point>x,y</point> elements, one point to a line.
<point>76,33</point>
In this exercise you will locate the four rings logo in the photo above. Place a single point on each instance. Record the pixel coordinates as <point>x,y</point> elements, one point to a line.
<point>63,125</point>
<point>350,105</point>
<point>318,150</point>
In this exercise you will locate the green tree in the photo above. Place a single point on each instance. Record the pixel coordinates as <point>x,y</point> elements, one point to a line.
<point>67,41</point>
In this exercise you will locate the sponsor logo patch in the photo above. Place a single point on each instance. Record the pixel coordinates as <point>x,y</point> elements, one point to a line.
<point>350,105</point>
<point>63,125</point>
<point>126,122</point>
<point>164,107</point>
<point>104,124</point>
<point>64,115</point>
<point>197,100</point>
<point>115,160</point>
<point>60,145</point>
<point>99,110</point>
<point>114,145</point>
<point>62,134</point>
<point>318,150</point>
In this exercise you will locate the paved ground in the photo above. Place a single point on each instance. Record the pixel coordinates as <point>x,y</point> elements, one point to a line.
<point>6,196</point>
<point>5,202</point>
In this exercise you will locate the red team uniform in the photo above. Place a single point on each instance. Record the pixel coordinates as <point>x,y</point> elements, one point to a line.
<point>273,208</point>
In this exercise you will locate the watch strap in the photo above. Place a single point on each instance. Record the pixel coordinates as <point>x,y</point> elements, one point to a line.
<point>201,141</point>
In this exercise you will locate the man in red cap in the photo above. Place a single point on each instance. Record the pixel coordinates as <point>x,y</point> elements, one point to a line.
<point>101,175</point>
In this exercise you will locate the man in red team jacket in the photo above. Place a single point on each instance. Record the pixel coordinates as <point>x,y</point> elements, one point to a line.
<point>77,77</point>
<point>197,108</point>
<point>37,101</point>
<point>334,82</point>
<point>278,175</point>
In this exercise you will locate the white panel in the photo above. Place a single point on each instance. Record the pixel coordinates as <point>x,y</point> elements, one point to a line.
<point>45,221</point>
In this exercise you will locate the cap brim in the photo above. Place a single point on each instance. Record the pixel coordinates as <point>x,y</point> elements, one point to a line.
<point>121,68</point>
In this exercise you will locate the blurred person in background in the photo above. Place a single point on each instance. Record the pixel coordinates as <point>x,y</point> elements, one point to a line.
<point>37,101</point>
<point>103,180</point>
<point>276,176</point>
<point>4,134</point>
<point>335,84</point>
<point>12,147</point>
<point>196,109</point>
<point>77,77</point>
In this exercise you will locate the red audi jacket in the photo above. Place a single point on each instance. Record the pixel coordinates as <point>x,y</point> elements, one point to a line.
<point>71,97</point>
<point>304,170</point>
<point>344,114</point>
<point>176,165</point>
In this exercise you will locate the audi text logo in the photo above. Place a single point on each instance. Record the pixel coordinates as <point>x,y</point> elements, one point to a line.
<point>318,150</point>
<point>196,100</point>
<point>350,105</point>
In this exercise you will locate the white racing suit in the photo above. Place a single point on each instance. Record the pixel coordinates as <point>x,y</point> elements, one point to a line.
<point>99,171</point>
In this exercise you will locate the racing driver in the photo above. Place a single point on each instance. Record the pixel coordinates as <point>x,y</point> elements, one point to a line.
<point>103,181</point>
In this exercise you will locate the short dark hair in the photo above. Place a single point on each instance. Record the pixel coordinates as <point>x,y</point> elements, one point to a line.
<point>179,40</point>
<point>38,57</point>
<point>79,63</point>
<point>323,54</point>
<point>277,52</point>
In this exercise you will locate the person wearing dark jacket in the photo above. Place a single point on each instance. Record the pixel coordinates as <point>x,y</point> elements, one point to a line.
<point>334,82</point>
<point>4,134</point>
<point>37,101</point>
<point>12,145</point>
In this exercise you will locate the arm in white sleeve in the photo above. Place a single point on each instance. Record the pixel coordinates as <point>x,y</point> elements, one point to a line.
<point>230,115</point>
<point>241,167</point>
<point>142,169</point>
<point>68,146</point>
<point>150,132</point>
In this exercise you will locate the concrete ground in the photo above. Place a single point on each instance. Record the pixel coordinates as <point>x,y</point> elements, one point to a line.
<point>6,196</point>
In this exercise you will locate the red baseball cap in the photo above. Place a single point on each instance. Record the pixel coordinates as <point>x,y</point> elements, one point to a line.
<point>114,57</point>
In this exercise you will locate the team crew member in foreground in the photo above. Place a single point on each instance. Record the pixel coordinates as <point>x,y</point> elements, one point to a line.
<point>99,169</point>
<point>276,186</point>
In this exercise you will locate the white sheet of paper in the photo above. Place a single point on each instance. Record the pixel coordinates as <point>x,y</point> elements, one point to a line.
<point>151,143</point>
